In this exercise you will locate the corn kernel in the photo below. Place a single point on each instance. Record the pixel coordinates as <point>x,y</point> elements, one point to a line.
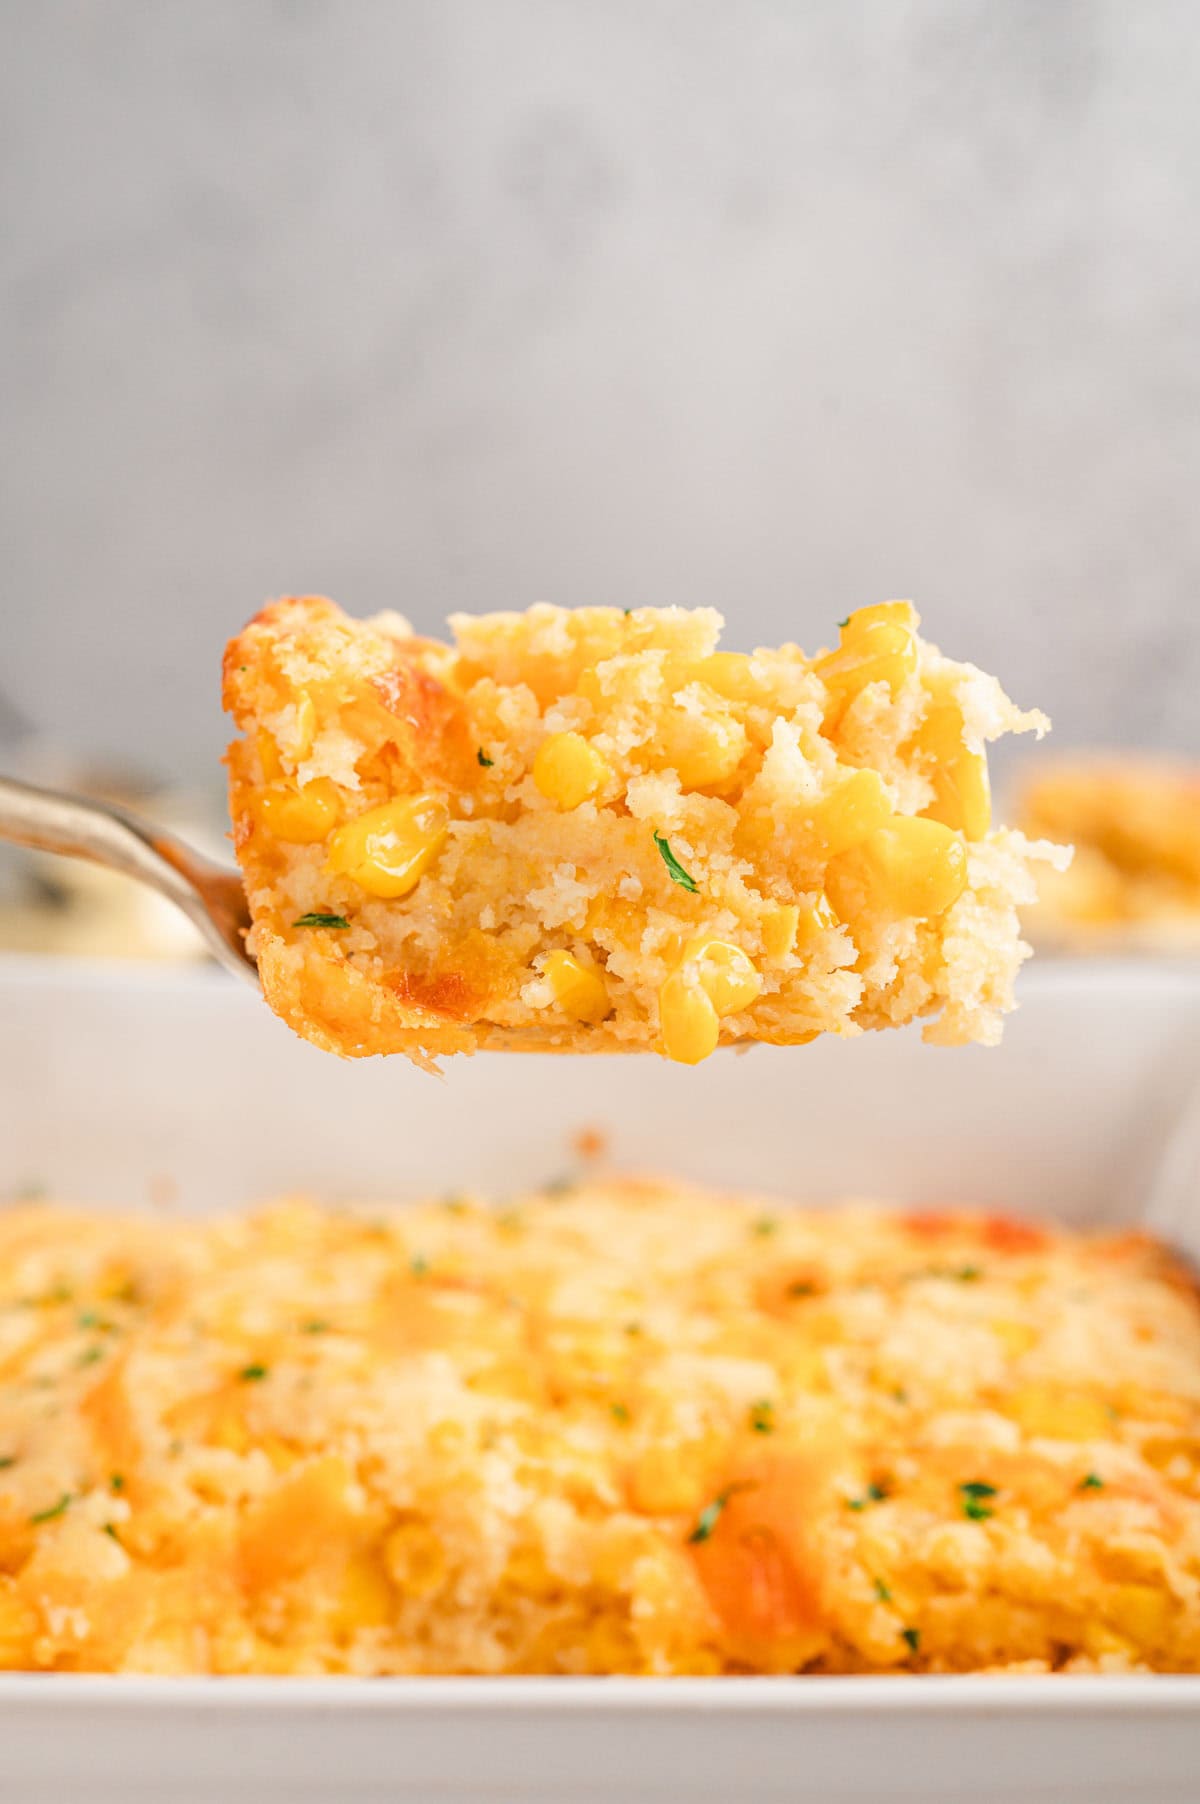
<point>1053,1414</point>
<point>779,929</point>
<point>847,814</point>
<point>268,756</point>
<point>302,817</point>
<point>892,613</point>
<point>729,673</point>
<point>415,1559</point>
<point>871,651</point>
<point>387,850</point>
<point>366,1599</point>
<point>961,792</point>
<point>669,1481</point>
<point>914,868</point>
<point>579,989</point>
<point>724,972</point>
<point>818,919</point>
<point>568,770</point>
<point>705,746</point>
<point>1143,1612</point>
<point>690,1024</point>
<point>306,725</point>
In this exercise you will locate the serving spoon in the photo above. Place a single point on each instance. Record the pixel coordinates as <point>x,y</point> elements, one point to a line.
<point>210,894</point>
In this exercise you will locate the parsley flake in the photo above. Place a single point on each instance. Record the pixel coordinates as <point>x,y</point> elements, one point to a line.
<point>56,1509</point>
<point>913,1638</point>
<point>873,1494</point>
<point>801,1287</point>
<point>1092,1482</point>
<point>89,1356</point>
<point>882,1592</point>
<point>710,1515</point>
<point>116,1481</point>
<point>675,870</point>
<point>317,1325</point>
<point>974,1506</point>
<point>7,1460</point>
<point>316,920</point>
<point>620,1412</point>
<point>627,612</point>
<point>418,1265</point>
<point>765,1226</point>
<point>762,1416</point>
<point>483,759</point>
<point>844,623</point>
<point>253,1373</point>
<point>110,1528</point>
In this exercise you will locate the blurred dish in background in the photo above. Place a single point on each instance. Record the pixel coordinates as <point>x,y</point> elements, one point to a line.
<point>1134,883</point>
<point>64,907</point>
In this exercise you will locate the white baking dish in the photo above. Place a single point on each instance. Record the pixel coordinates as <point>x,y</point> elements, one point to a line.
<point>147,1087</point>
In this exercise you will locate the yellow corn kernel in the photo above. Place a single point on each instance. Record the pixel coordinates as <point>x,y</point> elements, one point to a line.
<point>1015,1337</point>
<point>669,1481</point>
<point>1053,1414</point>
<point>568,770</point>
<point>704,746</point>
<point>729,673</point>
<point>304,816</point>
<point>230,1432</point>
<point>690,1024</point>
<point>1142,1612</point>
<point>306,725</point>
<point>366,1599</point>
<point>724,972</point>
<point>415,1559</point>
<point>913,867</point>
<point>579,989</point>
<point>268,756</point>
<point>779,929</point>
<point>875,648</point>
<point>387,850</point>
<point>818,919</point>
<point>855,808</point>
<point>891,613</point>
<point>961,792</point>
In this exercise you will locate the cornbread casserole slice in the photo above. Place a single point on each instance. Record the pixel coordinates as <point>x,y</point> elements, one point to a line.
<point>593,831</point>
<point>630,1428</point>
<point>1135,878</point>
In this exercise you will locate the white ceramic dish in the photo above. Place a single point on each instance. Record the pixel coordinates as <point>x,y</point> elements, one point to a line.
<point>121,1086</point>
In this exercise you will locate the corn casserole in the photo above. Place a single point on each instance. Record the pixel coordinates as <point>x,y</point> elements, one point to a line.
<point>620,1427</point>
<point>1135,877</point>
<point>592,830</point>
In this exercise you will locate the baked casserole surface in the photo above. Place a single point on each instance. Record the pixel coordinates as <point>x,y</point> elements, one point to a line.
<point>618,1427</point>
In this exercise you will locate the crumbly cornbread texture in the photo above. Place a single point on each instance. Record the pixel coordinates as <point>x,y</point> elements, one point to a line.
<point>592,830</point>
<point>1135,878</point>
<point>630,1428</point>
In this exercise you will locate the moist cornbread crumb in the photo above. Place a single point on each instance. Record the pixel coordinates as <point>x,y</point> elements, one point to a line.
<point>1135,877</point>
<point>594,831</point>
<point>632,1427</point>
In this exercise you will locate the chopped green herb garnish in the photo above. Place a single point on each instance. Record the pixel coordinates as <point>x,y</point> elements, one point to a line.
<point>56,1509</point>
<point>882,1592</point>
<point>252,1374</point>
<point>316,1326</point>
<point>620,1412</point>
<point>7,1460</point>
<point>1092,1482</point>
<point>913,1637</point>
<point>899,1395</point>
<point>90,1319</point>
<point>627,612</point>
<point>560,1186</point>
<point>762,1416</point>
<point>90,1355</point>
<point>509,1220</point>
<point>710,1515</point>
<point>967,1274</point>
<point>418,1265</point>
<point>801,1287</point>
<point>674,869</point>
<point>116,1481</point>
<point>483,759</point>
<point>321,921</point>
<point>873,1494</point>
<point>845,622</point>
<point>973,1495</point>
<point>110,1528</point>
<point>765,1226</point>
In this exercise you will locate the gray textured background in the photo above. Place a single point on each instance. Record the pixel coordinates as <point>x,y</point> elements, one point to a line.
<point>782,307</point>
